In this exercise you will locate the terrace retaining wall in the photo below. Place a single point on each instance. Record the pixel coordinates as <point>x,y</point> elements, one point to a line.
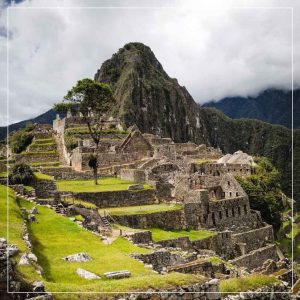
<point>118,198</point>
<point>198,291</point>
<point>255,238</point>
<point>256,258</point>
<point>167,220</point>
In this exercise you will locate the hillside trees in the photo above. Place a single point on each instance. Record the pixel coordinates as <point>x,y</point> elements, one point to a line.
<point>264,191</point>
<point>93,100</point>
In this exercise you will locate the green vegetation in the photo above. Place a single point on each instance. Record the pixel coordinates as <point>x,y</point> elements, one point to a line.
<point>28,188</point>
<point>264,191</point>
<point>161,235</point>
<point>14,229</point>
<point>42,176</point>
<point>86,97</point>
<point>44,164</point>
<point>21,174</point>
<point>65,237</point>
<point>105,184</point>
<point>78,202</point>
<point>246,283</point>
<point>84,130</point>
<point>19,140</point>
<point>40,152</point>
<point>3,174</point>
<point>141,209</point>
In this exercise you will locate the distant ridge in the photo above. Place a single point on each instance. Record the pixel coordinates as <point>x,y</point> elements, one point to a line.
<point>45,118</point>
<point>272,106</point>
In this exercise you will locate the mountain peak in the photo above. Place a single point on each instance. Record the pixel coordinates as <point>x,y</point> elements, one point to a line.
<point>132,57</point>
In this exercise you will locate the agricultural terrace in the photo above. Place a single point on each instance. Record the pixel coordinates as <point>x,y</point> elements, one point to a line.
<point>106,184</point>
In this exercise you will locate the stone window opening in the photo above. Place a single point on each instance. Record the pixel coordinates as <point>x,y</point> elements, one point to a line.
<point>239,211</point>
<point>220,215</point>
<point>245,209</point>
<point>232,211</point>
<point>228,182</point>
<point>213,219</point>
<point>230,194</point>
<point>237,193</point>
<point>226,212</point>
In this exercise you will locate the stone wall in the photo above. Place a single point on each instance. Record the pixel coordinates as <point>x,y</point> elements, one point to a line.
<point>141,237</point>
<point>235,169</point>
<point>181,242</point>
<point>133,175</point>
<point>198,291</point>
<point>167,220</point>
<point>36,157</point>
<point>118,198</point>
<point>194,267</point>
<point>45,188</point>
<point>256,238</point>
<point>161,259</point>
<point>256,258</point>
<point>232,213</point>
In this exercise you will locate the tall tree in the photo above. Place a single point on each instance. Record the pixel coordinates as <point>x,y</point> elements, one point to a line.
<point>93,100</point>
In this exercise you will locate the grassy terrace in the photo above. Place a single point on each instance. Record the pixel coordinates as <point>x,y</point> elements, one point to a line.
<point>161,235</point>
<point>15,229</point>
<point>246,283</point>
<point>105,185</point>
<point>45,164</point>
<point>141,209</point>
<point>3,174</point>
<point>55,236</point>
<point>42,176</point>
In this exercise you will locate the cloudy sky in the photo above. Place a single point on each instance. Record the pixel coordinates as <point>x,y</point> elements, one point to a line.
<point>214,48</point>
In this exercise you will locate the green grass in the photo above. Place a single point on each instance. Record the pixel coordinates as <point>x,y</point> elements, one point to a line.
<point>55,237</point>
<point>28,188</point>
<point>142,209</point>
<point>105,185</point>
<point>44,141</point>
<point>44,164</point>
<point>246,283</point>
<point>161,235</point>
<point>40,152</point>
<point>79,202</point>
<point>3,174</point>
<point>42,176</point>
<point>14,230</point>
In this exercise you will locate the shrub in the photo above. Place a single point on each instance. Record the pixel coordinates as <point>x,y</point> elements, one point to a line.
<point>21,174</point>
<point>20,140</point>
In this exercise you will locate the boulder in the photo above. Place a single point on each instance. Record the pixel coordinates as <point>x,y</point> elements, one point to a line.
<point>86,274</point>
<point>135,187</point>
<point>32,257</point>
<point>117,274</point>
<point>12,249</point>
<point>78,257</point>
<point>24,260</point>
<point>33,211</point>
<point>31,218</point>
<point>38,287</point>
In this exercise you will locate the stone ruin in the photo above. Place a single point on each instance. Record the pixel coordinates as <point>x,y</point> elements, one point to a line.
<point>198,177</point>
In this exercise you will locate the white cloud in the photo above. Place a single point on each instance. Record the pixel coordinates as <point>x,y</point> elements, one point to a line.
<point>212,48</point>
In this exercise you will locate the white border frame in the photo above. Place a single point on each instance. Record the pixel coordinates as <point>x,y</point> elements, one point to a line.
<point>147,7</point>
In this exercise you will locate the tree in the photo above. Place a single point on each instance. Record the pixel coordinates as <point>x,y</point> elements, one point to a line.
<point>93,100</point>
